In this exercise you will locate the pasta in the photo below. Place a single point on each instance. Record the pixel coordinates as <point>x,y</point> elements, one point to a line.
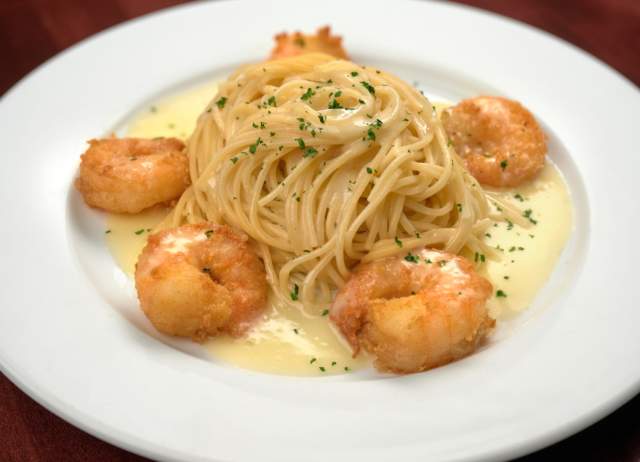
<point>324,164</point>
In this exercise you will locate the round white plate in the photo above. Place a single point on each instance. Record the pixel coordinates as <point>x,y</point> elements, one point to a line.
<point>71,339</point>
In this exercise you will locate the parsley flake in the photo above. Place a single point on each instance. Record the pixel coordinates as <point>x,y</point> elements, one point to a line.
<point>294,292</point>
<point>307,94</point>
<point>254,146</point>
<point>411,258</point>
<point>334,104</point>
<point>221,102</point>
<point>369,87</point>
<point>527,214</point>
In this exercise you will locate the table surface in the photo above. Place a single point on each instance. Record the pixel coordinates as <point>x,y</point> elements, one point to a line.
<point>31,31</point>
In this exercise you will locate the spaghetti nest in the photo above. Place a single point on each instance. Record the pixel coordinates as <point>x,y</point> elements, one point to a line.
<point>325,163</point>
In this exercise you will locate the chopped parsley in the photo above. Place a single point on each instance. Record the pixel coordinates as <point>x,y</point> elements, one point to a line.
<point>294,292</point>
<point>234,159</point>
<point>503,164</point>
<point>369,87</point>
<point>107,231</point>
<point>398,242</point>
<point>306,151</point>
<point>295,331</point>
<point>254,146</point>
<point>338,94</point>
<point>221,102</point>
<point>501,293</point>
<point>272,101</point>
<point>509,225</point>
<point>333,363</point>
<point>354,73</point>
<point>313,360</point>
<point>371,135</point>
<point>307,94</point>
<point>325,312</point>
<point>321,118</point>
<point>310,152</point>
<point>208,233</point>
<point>527,214</point>
<point>334,104</point>
<point>139,232</point>
<point>459,206</point>
<point>346,368</point>
<point>412,258</point>
<point>519,197</point>
<point>303,125</point>
<point>369,170</point>
<point>322,368</point>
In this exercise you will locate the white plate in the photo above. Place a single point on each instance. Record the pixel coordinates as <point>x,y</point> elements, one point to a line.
<point>67,340</point>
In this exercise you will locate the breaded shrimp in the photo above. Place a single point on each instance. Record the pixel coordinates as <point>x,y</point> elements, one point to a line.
<point>128,175</point>
<point>499,139</point>
<point>200,280</point>
<point>414,312</point>
<point>297,43</point>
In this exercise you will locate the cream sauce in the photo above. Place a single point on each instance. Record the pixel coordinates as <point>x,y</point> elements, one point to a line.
<point>289,342</point>
<point>528,255</point>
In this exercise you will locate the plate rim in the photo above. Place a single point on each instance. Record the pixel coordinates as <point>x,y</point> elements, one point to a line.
<point>40,397</point>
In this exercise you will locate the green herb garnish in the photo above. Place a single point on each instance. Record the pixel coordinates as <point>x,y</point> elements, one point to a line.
<point>411,258</point>
<point>221,102</point>
<point>294,292</point>
<point>369,87</point>
<point>307,94</point>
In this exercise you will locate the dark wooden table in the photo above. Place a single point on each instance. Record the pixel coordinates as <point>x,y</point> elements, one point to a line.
<point>32,31</point>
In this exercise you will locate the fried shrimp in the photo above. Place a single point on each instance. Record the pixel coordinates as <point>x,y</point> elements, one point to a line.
<point>297,43</point>
<point>128,175</point>
<point>499,139</point>
<point>415,312</point>
<point>200,280</point>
